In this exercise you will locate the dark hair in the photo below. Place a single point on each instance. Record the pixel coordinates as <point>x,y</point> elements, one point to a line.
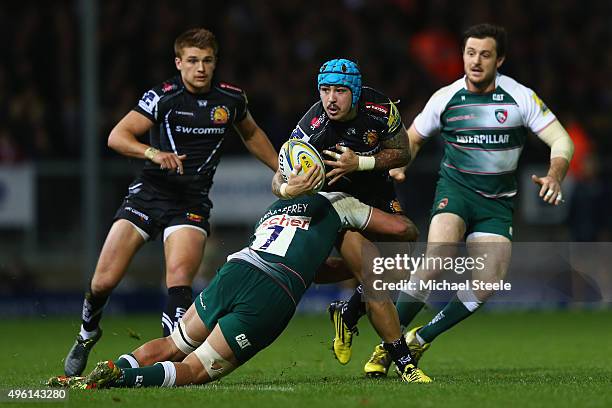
<point>488,30</point>
<point>195,37</point>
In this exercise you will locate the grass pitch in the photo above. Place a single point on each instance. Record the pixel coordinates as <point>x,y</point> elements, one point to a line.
<point>543,359</point>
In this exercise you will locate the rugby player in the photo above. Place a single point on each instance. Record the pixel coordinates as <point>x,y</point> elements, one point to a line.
<point>362,133</point>
<point>484,119</point>
<point>253,296</point>
<point>187,118</point>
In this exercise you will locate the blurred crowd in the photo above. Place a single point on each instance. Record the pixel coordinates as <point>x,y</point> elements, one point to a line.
<point>406,48</point>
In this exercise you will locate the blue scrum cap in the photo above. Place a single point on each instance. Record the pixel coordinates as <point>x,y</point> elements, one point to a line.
<point>341,72</point>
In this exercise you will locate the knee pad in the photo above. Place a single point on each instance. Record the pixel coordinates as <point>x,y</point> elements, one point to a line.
<point>215,365</point>
<point>184,343</point>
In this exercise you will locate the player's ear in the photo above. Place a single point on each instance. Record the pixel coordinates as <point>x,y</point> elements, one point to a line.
<point>500,61</point>
<point>177,62</point>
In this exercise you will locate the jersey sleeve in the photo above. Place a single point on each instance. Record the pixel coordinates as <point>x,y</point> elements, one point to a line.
<point>352,212</point>
<point>427,123</point>
<point>243,107</point>
<point>148,105</point>
<point>534,111</point>
<point>310,124</point>
<point>394,122</point>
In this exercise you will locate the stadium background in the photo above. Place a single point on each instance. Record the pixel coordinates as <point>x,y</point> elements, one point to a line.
<point>50,231</point>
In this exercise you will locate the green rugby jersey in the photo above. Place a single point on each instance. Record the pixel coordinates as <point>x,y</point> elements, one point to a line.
<point>294,237</point>
<point>484,134</point>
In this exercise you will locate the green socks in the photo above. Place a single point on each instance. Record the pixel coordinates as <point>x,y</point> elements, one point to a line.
<point>158,375</point>
<point>462,305</point>
<point>407,308</point>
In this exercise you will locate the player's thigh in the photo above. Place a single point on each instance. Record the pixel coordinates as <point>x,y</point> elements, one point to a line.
<point>491,216</point>
<point>194,325</point>
<point>449,214</point>
<point>183,248</point>
<point>259,312</point>
<point>494,252</point>
<point>122,242</point>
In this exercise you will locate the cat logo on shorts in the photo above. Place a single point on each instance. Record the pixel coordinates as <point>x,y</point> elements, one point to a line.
<point>242,341</point>
<point>219,115</point>
<point>370,138</point>
<point>396,207</point>
<point>443,203</point>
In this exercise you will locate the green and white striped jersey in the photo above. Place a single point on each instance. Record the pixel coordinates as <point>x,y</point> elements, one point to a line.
<point>484,134</point>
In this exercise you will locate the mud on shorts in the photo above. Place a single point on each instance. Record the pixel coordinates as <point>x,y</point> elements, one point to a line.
<point>153,210</point>
<point>480,214</point>
<point>251,310</point>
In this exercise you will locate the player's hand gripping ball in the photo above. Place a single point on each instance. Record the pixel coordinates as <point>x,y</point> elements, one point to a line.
<point>296,151</point>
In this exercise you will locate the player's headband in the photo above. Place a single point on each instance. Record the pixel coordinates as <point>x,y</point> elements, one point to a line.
<point>341,72</point>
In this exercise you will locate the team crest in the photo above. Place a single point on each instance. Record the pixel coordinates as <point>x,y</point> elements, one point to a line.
<point>370,137</point>
<point>395,206</point>
<point>219,115</point>
<point>443,203</point>
<point>501,115</point>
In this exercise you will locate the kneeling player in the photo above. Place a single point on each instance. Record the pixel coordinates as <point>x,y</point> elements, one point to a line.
<point>252,298</point>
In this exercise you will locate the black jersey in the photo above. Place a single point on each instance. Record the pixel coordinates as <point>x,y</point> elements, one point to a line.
<point>191,124</point>
<point>377,120</point>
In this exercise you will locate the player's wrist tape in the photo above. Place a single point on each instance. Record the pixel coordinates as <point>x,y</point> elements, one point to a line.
<point>366,163</point>
<point>150,153</point>
<point>283,191</point>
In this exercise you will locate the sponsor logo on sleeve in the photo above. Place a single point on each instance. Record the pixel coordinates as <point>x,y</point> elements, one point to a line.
<point>540,104</point>
<point>148,102</point>
<point>297,133</point>
<point>225,85</point>
<point>316,122</point>
<point>395,120</point>
<point>167,87</point>
<point>377,108</point>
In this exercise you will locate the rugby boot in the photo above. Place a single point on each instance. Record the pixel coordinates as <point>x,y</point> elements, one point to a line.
<point>104,374</point>
<point>378,364</point>
<point>343,340</point>
<point>82,384</point>
<point>76,360</point>
<point>62,381</point>
<point>416,350</point>
<point>413,374</point>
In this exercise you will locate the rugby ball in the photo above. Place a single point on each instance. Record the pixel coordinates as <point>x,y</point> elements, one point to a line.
<point>296,151</point>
